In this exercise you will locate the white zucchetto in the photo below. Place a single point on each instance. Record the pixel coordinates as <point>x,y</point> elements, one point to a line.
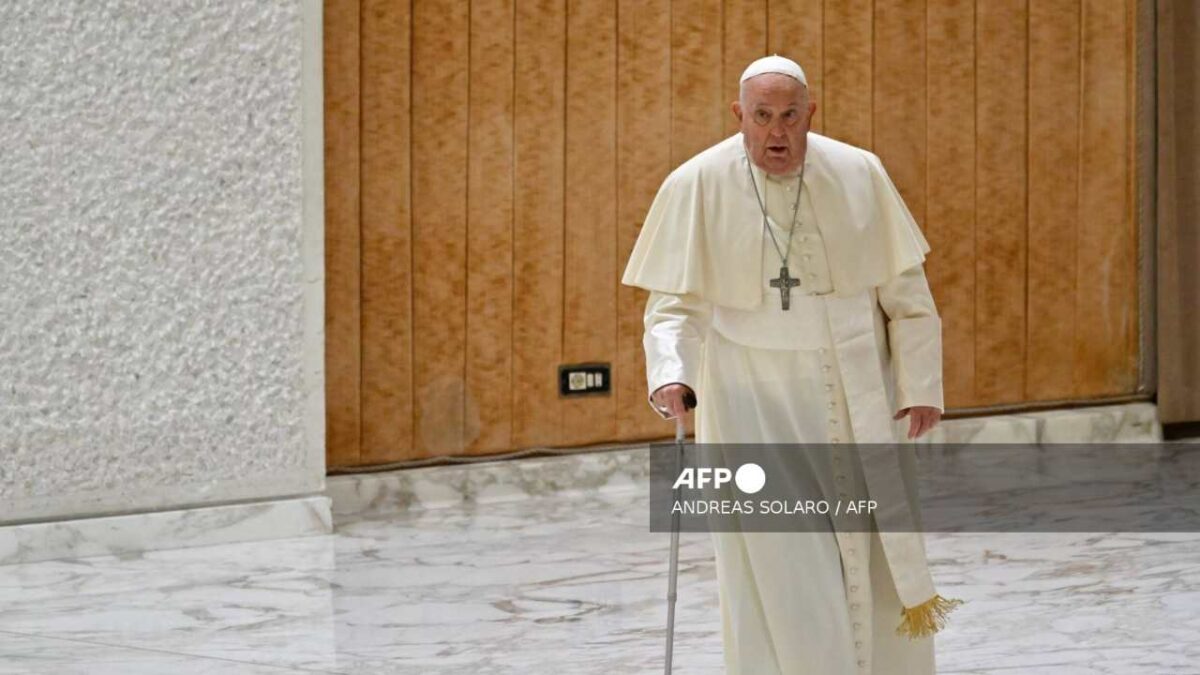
<point>775,64</point>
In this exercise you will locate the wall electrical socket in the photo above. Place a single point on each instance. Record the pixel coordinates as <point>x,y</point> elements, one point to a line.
<point>578,379</point>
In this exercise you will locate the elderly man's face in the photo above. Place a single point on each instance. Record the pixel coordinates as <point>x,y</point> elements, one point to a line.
<point>775,113</point>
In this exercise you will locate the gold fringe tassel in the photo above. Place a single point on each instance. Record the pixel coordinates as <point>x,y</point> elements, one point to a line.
<point>926,618</point>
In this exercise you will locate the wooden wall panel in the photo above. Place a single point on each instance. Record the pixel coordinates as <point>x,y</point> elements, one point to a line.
<point>538,210</point>
<point>745,39</point>
<point>1053,197</point>
<point>849,49</point>
<point>590,303</point>
<point>1107,286</point>
<point>479,218</point>
<point>489,322</point>
<point>439,212</point>
<point>387,320</point>
<point>949,224</point>
<point>899,97</point>
<point>343,358</point>
<point>796,30</point>
<point>643,157</point>
<point>1178,211</point>
<point>1000,200</point>
<point>697,117</point>
<point>697,114</point>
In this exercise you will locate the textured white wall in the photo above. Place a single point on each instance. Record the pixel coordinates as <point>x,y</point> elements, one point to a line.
<point>160,258</point>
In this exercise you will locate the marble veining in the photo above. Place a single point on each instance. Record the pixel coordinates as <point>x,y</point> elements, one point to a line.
<point>562,583</point>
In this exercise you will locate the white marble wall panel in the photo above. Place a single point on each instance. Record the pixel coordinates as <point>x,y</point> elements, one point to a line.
<point>137,533</point>
<point>161,253</point>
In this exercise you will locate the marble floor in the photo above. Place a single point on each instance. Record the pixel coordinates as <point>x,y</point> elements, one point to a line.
<point>561,584</point>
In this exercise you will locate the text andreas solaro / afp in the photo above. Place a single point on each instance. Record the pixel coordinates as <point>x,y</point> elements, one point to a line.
<point>773,506</point>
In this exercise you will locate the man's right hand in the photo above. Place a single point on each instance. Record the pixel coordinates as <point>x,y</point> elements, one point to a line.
<point>669,398</point>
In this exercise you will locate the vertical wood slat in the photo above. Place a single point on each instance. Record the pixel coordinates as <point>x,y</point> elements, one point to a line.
<point>439,192</point>
<point>745,39</point>
<point>539,138</point>
<point>795,30</point>
<point>342,244</point>
<point>490,229</point>
<point>1053,197</point>
<point>847,77</point>
<point>387,402</point>
<point>1178,212</point>
<point>950,198</point>
<point>696,91</point>
<point>643,158</point>
<point>1107,287</point>
<point>1000,205</point>
<point>590,256</point>
<point>899,97</point>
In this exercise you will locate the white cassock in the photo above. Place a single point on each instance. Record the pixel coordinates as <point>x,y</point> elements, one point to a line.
<point>860,341</point>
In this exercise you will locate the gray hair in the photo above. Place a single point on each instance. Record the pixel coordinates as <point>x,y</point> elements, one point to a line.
<point>803,89</point>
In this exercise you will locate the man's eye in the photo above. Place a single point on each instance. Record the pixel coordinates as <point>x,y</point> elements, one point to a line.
<point>762,115</point>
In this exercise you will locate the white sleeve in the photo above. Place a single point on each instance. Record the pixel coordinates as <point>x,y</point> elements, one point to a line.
<point>674,341</point>
<point>915,338</point>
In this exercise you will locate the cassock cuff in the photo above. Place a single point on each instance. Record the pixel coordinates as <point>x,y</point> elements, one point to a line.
<point>673,373</point>
<point>916,346</point>
<point>672,362</point>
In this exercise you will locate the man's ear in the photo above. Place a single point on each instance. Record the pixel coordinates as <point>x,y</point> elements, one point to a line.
<point>736,107</point>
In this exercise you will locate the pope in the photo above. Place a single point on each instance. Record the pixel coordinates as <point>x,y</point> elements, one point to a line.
<point>787,293</point>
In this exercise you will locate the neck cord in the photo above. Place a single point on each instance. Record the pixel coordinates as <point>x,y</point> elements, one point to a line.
<point>762,207</point>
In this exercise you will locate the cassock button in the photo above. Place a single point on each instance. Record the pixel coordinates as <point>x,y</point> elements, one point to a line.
<point>825,368</point>
<point>832,405</point>
<point>829,387</point>
<point>833,422</point>
<point>834,440</point>
<point>854,605</point>
<point>862,663</point>
<point>853,589</point>
<point>858,644</point>
<point>857,625</point>
<point>841,476</point>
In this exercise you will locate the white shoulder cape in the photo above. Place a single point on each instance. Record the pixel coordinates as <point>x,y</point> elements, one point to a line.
<point>704,234</point>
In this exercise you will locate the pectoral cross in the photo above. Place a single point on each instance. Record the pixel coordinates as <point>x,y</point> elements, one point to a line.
<point>784,282</point>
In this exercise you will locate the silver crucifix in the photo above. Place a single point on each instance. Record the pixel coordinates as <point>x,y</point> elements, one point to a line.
<point>784,282</point>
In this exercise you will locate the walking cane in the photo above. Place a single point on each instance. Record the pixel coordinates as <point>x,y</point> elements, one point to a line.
<point>689,401</point>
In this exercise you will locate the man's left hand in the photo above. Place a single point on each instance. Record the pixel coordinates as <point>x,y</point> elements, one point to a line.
<point>922,418</point>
